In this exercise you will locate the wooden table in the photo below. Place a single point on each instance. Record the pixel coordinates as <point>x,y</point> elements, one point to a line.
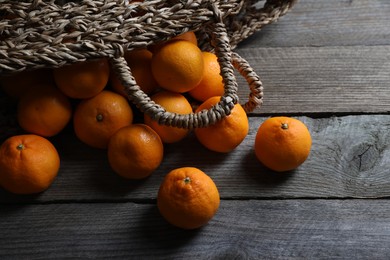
<point>327,62</point>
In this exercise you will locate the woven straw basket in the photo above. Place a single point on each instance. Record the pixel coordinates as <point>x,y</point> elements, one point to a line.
<point>48,34</point>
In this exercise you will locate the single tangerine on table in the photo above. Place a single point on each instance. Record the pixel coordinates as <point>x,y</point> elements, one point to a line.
<point>83,79</point>
<point>139,62</point>
<point>28,164</point>
<point>178,66</point>
<point>188,198</point>
<point>171,102</point>
<point>282,143</point>
<point>135,151</point>
<point>212,83</point>
<point>44,111</point>
<point>225,135</point>
<point>96,119</point>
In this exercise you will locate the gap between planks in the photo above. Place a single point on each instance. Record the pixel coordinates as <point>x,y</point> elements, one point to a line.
<point>299,229</point>
<point>349,158</point>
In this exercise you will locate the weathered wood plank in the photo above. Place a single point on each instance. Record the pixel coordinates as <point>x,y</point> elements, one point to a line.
<point>89,212</point>
<point>269,229</point>
<point>350,157</point>
<point>321,80</point>
<point>327,23</point>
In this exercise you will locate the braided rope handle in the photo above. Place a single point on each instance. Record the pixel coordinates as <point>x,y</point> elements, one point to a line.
<point>227,62</point>
<point>255,99</point>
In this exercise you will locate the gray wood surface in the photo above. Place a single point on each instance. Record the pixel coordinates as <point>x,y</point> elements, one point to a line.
<point>328,23</point>
<point>349,159</point>
<point>249,229</point>
<point>327,63</point>
<point>324,56</point>
<point>334,80</point>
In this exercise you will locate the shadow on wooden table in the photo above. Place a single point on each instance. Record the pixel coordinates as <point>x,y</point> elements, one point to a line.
<point>160,234</point>
<point>255,170</point>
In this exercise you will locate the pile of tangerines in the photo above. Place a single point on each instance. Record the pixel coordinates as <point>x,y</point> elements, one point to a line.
<point>90,95</point>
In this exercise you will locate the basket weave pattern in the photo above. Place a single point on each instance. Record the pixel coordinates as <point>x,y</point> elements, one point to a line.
<point>48,34</point>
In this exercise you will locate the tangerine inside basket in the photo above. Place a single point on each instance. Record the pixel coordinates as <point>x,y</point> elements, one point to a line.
<point>50,34</point>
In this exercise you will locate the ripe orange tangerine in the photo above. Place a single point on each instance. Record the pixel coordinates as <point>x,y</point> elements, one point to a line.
<point>45,111</point>
<point>178,66</point>
<point>228,133</point>
<point>139,62</point>
<point>282,143</point>
<point>212,83</point>
<point>83,79</point>
<point>96,119</point>
<point>28,164</point>
<point>189,36</point>
<point>135,151</point>
<point>175,103</point>
<point>188,198</point>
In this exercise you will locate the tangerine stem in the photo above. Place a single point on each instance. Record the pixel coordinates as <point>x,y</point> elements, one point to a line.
<point>187,180</point>
<point>20,147</point>
<point>284,126</point>
<point>99,117</point>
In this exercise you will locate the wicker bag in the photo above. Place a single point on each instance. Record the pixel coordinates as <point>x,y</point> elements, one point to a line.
<point>48,34</point>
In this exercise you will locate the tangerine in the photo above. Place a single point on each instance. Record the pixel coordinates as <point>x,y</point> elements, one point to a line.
<point>178,66</point>
<point>225,135</point>
<point>189,36</point>
<point>188,198</point>
<point>83,79</point>
<point>28,164</point>
<point>282,143</point>
<point>212,83</point>
<point>96,119</point>
<point>44,111</point>
<point>139,62</point>
<point>175,103</point>
<point>135,151</point>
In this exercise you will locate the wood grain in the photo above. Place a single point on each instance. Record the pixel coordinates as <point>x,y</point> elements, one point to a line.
<point>327,80</point>
<point>321,80</point>
<point>327,62</point>
<point>327,23</point>
<point>265,229</point>
<point>349,158</point>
